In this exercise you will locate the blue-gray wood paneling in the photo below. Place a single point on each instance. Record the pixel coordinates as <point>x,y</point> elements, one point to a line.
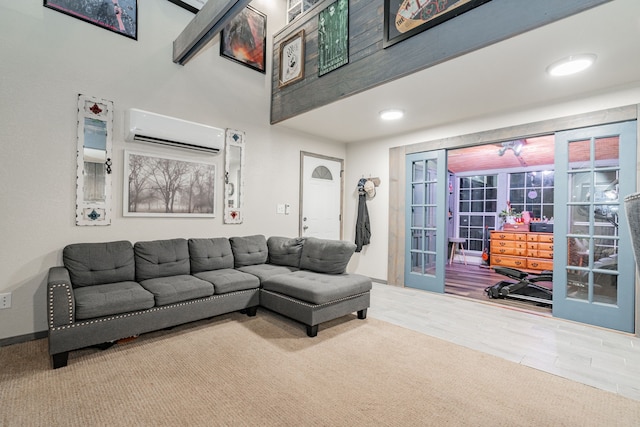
<point>370,65</point>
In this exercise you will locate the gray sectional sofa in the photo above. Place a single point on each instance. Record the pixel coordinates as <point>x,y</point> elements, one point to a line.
<point>114,290</point>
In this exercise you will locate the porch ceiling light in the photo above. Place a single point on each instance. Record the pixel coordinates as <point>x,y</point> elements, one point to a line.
<point>571,64</point>
<point>392,114</point>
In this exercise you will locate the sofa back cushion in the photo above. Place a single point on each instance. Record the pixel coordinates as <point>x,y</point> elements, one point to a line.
<point>249,250</point>
<point>99,263</point>
<point>326,256</point>
<point>285,251</point>
<point>210,254</point>
<point>161,258</point>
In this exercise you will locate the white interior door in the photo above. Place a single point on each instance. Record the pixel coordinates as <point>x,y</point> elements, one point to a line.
<point>321,196</point>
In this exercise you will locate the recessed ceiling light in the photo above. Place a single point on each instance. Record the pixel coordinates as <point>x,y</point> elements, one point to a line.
<point>391,114</point>
<point>571,64</point>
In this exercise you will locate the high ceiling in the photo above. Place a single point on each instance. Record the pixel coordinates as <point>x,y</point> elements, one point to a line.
<point>506,77</point>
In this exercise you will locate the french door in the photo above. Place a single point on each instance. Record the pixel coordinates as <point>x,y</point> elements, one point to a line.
<point>425,219</point>
<point>594,268</point>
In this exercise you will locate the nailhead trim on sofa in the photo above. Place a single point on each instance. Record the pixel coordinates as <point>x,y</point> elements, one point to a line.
<point>137,313</point>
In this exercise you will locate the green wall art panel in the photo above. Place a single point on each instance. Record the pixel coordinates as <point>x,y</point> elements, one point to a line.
<point>333,37</point>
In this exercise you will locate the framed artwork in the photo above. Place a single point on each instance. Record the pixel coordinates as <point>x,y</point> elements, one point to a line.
<point>406,18</point>
<point>292,59</point>
<point>243,40</point>
<point>119,16</point>
<point>333,36</point>
<point>168,186</point>
<point>191,5</point>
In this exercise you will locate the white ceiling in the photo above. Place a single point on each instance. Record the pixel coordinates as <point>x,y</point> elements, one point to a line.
<point>505,77</point>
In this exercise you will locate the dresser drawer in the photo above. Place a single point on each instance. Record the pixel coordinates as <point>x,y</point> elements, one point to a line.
<point>539,264</point>
<point>499,235</point>
<point>508,251</point>
<point>545,246</point>
<point>540,254</point>
<point>545,238</point>
<point>508,261</point>
<point>503,244</point>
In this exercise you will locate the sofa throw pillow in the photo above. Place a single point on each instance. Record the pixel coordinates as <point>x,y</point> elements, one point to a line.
<point>249,250</point>
<point>210,254</point>
<point>326,256</point>
<point>161,258</point>
<point>99,263</point>
<point>285,251</point>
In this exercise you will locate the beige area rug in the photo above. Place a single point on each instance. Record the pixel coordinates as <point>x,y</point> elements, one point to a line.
<point>235,370</point>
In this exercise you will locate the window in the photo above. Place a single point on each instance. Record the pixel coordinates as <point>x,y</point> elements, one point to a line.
<point>532,192</point>
<point>478,198</point>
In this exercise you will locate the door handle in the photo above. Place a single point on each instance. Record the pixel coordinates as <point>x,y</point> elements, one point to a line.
<point>305,227</point>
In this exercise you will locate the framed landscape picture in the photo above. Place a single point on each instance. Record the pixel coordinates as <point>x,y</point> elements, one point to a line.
<point>406,18</point>
<point>333,37</point>
<point>292,59</point>
<point>243,40</point>
<point>168,186</point>
<point>191,5</point>
<point>119,16</point>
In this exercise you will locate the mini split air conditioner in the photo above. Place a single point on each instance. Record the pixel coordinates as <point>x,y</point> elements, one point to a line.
<point>158,129</point>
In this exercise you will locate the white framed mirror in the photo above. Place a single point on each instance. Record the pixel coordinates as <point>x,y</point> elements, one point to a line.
<point>233,178</point>
<point>94,164</point>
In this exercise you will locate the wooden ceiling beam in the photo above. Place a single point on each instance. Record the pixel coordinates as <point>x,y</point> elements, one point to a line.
<point>208,22</point>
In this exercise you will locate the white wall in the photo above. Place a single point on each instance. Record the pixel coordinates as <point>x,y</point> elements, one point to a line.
<point>47,59</point>
<point>371,158</point>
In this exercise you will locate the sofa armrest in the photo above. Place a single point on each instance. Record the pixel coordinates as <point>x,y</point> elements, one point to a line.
<point>60,301</point>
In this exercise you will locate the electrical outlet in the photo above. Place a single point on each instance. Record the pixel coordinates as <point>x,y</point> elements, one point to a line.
<point>280,209</point>
<point>5,300</point>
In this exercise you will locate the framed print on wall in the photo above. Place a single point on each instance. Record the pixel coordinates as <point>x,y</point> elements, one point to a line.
<point>406,18</point>
<point>168,186</point>
<point>191,5</point>
<point>333,37</point>
<point>119,16</point>
<point>291,59</point>
<point>243,40</point>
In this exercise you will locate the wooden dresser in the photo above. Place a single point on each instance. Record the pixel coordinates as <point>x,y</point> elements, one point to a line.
<point>522,250</point>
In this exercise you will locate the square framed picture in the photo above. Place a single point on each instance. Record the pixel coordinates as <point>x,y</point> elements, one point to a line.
<point>243,40</point>
<point>403,18</point>
<point>191,5</point>
<point>291,59</point>
<point>119,16</point>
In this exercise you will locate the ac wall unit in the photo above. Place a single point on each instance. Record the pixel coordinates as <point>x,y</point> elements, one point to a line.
<point>158,129</point>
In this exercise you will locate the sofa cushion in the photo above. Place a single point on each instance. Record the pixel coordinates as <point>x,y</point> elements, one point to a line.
<point>161,258</point>
<point>229,280</point>
<point>210,254</point>
<point>249,250</point>
<point>285,251</point>
<point>266,271</point>
<point>172,289</point>
<point>99,263</point>
<point>318,288</point>
<point>111,298</point>
<point>326,256</point>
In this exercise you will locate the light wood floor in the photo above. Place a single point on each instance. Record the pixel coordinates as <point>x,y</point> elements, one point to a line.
<point>597,357</point>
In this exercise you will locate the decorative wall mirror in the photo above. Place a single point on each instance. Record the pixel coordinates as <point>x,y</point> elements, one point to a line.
<point>233,178</point>
<point>93,190</point>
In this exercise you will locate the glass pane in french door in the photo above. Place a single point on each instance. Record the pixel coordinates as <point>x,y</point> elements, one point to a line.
<point>426,231</point>
<point>594,271</point>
